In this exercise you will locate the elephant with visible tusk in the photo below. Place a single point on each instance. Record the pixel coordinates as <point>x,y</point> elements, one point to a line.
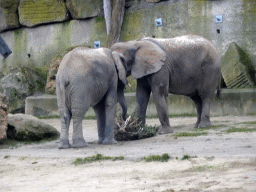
<point>90,78</point>
<point>186,65</point>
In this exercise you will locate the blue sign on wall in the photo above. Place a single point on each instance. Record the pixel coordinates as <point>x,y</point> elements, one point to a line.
<point>96,44</point>
<point>158,22</point>
<point>218,18</point>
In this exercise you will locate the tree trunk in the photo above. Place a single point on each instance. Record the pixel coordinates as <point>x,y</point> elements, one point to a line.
<point>107,5</point>
<point>116,22</point>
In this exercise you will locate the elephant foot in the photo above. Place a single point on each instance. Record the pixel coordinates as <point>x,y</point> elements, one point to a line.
<point>165,130</point>
<point>109,141</point>
<point>196,125</point>
<point>79,143</point>
<point>64,144</point>
<point>204,124</point>
<point>100,141</point>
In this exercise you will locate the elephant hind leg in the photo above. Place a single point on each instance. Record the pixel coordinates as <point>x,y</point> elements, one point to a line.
<point>203,111</point>
<point>160,95</point>
<point>78,139</point>
<point>198,102</point>
<point>101,120</point>
<point>205,116</point>
<point>65,123</point>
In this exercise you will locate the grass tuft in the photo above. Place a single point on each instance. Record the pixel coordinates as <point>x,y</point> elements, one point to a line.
<point>163,158</point>
<point>189,134</point>
<point>188,157</point>
<point>243,129</point>
<point>95,158</point>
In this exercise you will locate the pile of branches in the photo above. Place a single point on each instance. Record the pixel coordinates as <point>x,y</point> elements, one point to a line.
<point>132,129</point>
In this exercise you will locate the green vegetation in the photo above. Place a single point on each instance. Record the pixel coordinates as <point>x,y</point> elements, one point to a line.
<point>163,158</point>
<point>188,157</point>
<point>242,129</point>
<point>249,123</point>
<point>215,127</point>
<point>95,158</point>
<point>200,168</point>
<point>12,143</point>
<point>6,156</point>
<point>189,134</point>
<point>8,143</point>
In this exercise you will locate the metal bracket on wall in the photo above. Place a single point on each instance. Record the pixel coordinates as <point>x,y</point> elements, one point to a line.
<point>158,22</point>
<point>218,19</point>
<point>96,44</point>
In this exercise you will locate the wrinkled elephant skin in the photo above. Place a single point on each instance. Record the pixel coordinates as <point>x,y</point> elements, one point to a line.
<point>90,78</point>
<point>186,65</point>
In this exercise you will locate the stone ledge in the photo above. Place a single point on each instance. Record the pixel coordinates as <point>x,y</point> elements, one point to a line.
<point>232,102</point>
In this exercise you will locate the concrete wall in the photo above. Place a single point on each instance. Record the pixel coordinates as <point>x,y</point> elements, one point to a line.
<point>36,46</point>
<point>232,102</point>
<point>39,45</point>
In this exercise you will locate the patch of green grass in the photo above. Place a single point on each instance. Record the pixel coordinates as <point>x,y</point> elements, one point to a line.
<point>189,134</point>
<point>173,116</point>
<point>6,156</point>
<point>242,129</point>
<point>41,141</point>
<point>163,158</point>
<point>212,127</point>
<point>188,157</point>
<point>209,158</point>
<point>249,123</point>
<point>58,117</point>
<point>95,158</point>
<point>49,117</point>
<point>8,143</point>
<point>200,168</point>
<point>12,143</point>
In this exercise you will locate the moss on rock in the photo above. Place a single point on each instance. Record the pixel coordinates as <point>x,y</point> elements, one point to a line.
<point>81,9</point>
<point>33,13</point>
<point>8,14</point>
<point>237,68</point>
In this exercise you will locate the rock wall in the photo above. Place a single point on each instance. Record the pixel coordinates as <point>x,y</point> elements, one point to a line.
<point>49,27</point>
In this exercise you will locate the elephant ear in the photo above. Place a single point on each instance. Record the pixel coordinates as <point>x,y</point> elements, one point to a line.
<point>120,63</point>
<point>149,59</point>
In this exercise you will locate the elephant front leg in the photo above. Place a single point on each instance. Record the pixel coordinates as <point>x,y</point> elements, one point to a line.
<point>143,95</point>
<point>78,139</point>
<point>160,100</point>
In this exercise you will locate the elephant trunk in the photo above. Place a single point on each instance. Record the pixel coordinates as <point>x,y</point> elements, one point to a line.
<point>121,99</point>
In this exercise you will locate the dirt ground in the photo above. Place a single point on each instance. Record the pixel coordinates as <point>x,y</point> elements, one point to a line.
<point>224,161</point>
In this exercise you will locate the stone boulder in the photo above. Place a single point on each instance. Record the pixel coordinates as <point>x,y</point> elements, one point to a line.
<point>19,84</point>
<point>9,14</point>
<point>237,68</point>
<point>3,116</point>
<point>23,127</point>
<point>51,77</point>
<point>84,9</point>
<point>37,12</point>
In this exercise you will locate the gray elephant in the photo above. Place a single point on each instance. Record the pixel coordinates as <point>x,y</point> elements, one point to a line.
<point>186,65</point>
<point>90,78</point>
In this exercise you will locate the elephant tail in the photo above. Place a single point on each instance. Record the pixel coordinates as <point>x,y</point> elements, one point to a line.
<point>63,99</point>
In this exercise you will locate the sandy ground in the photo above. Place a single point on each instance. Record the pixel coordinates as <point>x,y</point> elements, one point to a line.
<point>224,161</point>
